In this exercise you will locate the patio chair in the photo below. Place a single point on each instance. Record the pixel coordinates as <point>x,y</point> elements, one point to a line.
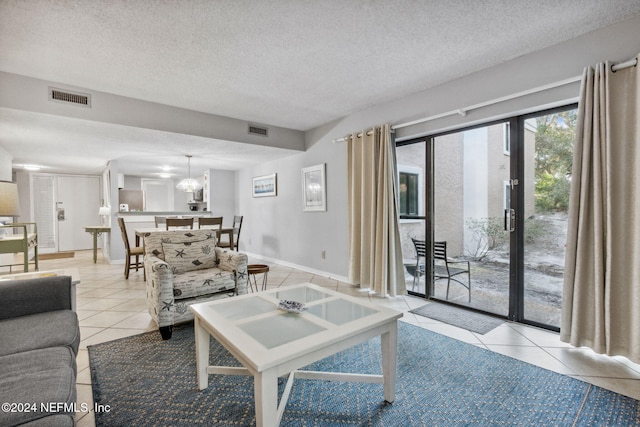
<point>442,270</point>
<point>417,270</point>
<point>445,270</point>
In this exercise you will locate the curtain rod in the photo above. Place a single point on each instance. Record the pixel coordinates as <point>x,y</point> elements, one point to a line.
<point>463,111</point>
<point>630,63</point>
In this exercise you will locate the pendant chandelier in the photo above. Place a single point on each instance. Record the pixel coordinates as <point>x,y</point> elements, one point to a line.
<point>188,185</point>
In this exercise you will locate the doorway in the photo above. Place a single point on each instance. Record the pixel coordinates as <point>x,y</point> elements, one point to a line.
<point>62,206</point>
<point>497,195</point>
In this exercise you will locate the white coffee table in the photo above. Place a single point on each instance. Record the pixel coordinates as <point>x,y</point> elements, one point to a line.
<point>270,343</point>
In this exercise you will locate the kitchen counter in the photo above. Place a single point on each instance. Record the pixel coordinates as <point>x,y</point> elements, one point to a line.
<point>165,213</point>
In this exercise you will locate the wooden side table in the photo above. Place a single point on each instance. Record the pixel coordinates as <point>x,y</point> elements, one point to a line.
<point>253,270</point>
<point>96,230</point>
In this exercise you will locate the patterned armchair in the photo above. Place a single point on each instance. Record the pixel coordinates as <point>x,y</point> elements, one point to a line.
<point>185,267</point>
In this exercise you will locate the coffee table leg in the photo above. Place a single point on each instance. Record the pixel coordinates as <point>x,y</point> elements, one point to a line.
<point>202,354</point>
<point>389,342</point>
<point>266,398</point>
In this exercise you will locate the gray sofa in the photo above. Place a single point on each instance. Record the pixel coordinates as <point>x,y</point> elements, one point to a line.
<point>39,338</point>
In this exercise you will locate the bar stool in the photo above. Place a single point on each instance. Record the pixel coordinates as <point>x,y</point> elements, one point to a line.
<point>254,270</point>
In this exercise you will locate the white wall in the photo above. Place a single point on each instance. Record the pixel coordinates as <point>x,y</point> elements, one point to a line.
<point>276,227</point>
<point>6,160</point>
<point>223,201</point>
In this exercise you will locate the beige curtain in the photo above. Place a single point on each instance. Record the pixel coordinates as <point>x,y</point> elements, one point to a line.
<point>374,237</point>
<point>601,302</point>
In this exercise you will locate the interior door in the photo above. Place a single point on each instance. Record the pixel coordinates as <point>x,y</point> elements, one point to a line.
<point>77,206</point>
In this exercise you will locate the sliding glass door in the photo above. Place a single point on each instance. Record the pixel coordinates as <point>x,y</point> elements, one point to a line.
<point>494,198</point>
<point>471,172</point>
<point>548,155</point>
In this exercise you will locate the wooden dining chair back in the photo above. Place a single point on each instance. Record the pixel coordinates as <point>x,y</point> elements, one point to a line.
<point>161,221</point>
<point>210,222</point>
<point>237,226</point>
<point>131,251</point>
<point>180,222</point>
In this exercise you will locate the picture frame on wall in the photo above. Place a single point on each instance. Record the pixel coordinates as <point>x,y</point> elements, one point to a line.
<point>265,186</point>
<point>314,188</point>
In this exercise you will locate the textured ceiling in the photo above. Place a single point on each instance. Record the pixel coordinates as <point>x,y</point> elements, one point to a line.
<point>295,64</point>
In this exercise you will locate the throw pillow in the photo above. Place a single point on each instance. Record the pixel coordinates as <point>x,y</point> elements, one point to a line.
<point>189,256</point>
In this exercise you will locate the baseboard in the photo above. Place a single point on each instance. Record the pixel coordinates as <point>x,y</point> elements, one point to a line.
<point>300,267</point>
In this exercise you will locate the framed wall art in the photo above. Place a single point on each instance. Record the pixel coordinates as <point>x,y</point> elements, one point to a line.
<point>314,189</point>
<point>264,186</point>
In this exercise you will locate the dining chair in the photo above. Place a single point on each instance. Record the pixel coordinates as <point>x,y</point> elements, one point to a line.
<point>237,226</point>
<point>214,222</point>
<point>135,251</point>
<point>161,221</point>
<point>180,222</point>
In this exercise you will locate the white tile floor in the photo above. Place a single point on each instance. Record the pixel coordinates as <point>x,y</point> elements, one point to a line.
<point>111,307</point>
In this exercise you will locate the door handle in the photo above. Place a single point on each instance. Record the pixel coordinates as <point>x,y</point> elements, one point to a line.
<point>510,220</point>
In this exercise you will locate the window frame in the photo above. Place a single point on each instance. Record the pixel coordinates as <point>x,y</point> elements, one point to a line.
<point>419,173</point>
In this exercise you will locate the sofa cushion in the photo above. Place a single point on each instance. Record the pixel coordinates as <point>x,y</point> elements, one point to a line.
<point>202,282</point>
<point>42,330</point>
<point>30,296</point>
<point>188,256</point>
<point>58,420</point>
<point>153,241</point>
<point>44,375</point>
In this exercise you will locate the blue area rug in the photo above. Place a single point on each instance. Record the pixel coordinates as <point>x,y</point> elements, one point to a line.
<point>441,382</point>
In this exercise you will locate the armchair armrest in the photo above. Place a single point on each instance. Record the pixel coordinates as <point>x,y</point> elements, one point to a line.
<point>160,298</point>
<point>160,273</point>
<point>231,260</point>
<point>26,228</point>
<point>38,295</point>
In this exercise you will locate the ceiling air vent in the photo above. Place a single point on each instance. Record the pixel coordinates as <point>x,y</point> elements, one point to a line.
<point>69,97</point>
<point>257,130</point>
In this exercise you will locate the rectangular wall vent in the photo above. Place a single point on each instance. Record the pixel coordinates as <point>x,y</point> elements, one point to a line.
<point>257,130</point>
<point>69,97</point>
